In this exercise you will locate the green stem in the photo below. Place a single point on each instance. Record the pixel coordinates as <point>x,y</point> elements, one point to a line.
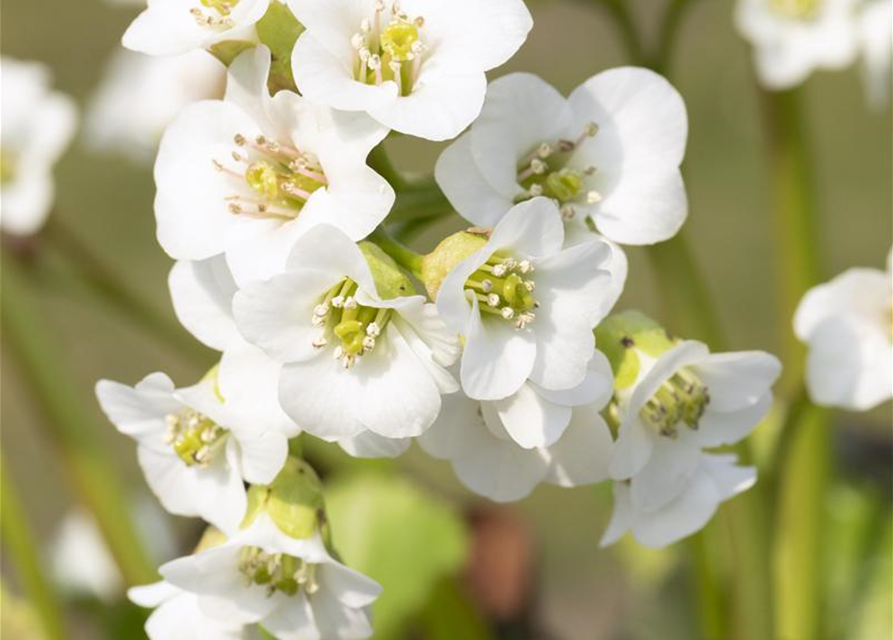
<point>402,255</point>
<point>21,543</point>
<point>618,11</point>
<point>64,411</point>
<point>381,162</point>
<point>101,281</point>
<point>712,598</point>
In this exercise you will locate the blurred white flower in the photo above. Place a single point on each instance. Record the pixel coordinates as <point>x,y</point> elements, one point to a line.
<point>793,38</point>
<point>292,587</point>
<point>355,358</point>
<point>504,449</point>
<point>170,27</point>
<point>608,155</point>
<point>416,66</point>
<point>716,478</point>
<point>525,306</point>
<point>177,616</point>
<point>876,35</point>
<point>847,325</point>
<point>250,174</point>
<point>140,95</point>
<point>197,445</point>
<point>36,126</point>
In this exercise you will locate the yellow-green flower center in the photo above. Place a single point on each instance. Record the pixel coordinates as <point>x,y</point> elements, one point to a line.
<point>389,52</point>
<point>277,572</point>
<point>195,438</point>
<point>504,289</point>
<point>545,172</point>
<point>280,178</point>
<point>681,399</point>
<point>218,14</point>
<point>355,328</point>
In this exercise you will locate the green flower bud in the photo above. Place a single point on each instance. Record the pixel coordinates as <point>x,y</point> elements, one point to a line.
<point>622,336</point>
<point>390,281</point>
<point>294,500</point>
<point>447,255</point>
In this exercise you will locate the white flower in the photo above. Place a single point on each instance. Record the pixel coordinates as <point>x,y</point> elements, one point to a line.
<point>681,402</point>
<point>876,38</point>
<point>36,126</point>
<point>609,154</point>
<point>504,449</point>
<point>248,175</point>
<point>525,306</point>
<point>793,38</point>
<point>715,479</point>
<point>140,95</point>
<point>416,66</point>
<point>197,445</point>
<point>353,361</point>
<point>847,325</point>
<point>177,616</point>
<point>292,587</point>
<point>170,27</point>
<point>202,294</point>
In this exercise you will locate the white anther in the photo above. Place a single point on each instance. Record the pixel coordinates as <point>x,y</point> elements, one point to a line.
<point>538,166</point>
<point>339,353</point>
<point>364,54</point>
<point>369,343</point>
<point>525,266</point>
<point>374,62</point>
<point>590,170</point>
<point>321,310</point>
<point>493,300</point>
<point>568,212</point>
<point>593,197</point>
<point>320,342</point>
<point>338,302</point>
<point>545,150</point>
<point>530,285</point>
<point>499,270</point>
<point>365,25</point>
<point>487,286</point>
<point>373,330</point>
<point>239,139</point>
<point>508,313</point>
<point>358,41</point>
<point>350,303</point>
<point>536,190</point>
<point>591,129</point>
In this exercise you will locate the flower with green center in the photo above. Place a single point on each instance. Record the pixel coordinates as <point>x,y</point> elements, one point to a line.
<point>793,38</point>
<point>361,352</point>
<point>608,155</point>
<point>248,175</point>
<point>419,72</point>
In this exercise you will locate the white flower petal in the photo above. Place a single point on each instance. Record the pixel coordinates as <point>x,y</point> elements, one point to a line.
<point>719,428</point>
<point>202,294</point>
<point>372,445</point>
<point>531,420</point>
<point>293,620</point>
<point>737,380</point>
<point>667,473</point>
<point>583,453</point>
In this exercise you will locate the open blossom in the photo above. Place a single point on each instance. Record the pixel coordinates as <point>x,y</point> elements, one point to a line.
<point>793,38</point>
<point>170,27</point>
<point>248,175</point>
<point>526,306</point>
<point>876,38</point>
<point>198,445</point>
<point>416,66</point>
<point>356,358</point>
<point>609,154</point>
<point>291,586</point>
<point>504,449</point>
<point>177,616</point>
<point>847,324</point>
<point>140,95</point>
<point>36,126</point>
<point>715,479</point>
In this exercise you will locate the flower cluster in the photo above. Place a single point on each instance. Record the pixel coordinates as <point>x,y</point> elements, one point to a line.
<point>497,351</point>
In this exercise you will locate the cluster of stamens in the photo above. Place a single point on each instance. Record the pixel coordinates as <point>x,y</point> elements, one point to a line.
<point>503,287</point>
<point>281,178</point>
<point>356,326</point>
<point>796,9</point>
<point>194,437</point>
<point>218,17</point>
<point>277,572</point>
<point>544,172</point>
<point>389,52</point>
<point>682,398</point>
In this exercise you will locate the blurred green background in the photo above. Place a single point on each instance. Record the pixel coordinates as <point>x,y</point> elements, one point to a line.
<point>581,592</point>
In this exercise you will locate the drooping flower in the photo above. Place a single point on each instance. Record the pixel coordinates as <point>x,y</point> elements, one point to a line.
<point>876,39</point>
<point>171,27</point>
<point>360,352</point>
<point>248,175</point>
<point>504,449</point>
<point>416,66</point>
<point>525,306</point>
<point>36,126</point>
<point>672,400</point>
<point>177,616</point>
<point>715,479</point>
<point>140,95</point>
<point>608,155</point>
<point>197,445</point>
<point>847,325</point>
<point>793,38</point>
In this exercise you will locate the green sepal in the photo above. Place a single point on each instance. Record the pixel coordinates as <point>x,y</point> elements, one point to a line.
<point>229,50</point>
<point>294,500</point>
<point>390,281</point>
<point>622,336</point>
<point>446,256</point>
<point>279,30</point>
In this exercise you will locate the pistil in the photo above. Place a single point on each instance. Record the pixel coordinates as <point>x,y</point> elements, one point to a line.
<point>195,438</point>
<point>503,288</point>
<point>356,326</point>
<point>392,52</point>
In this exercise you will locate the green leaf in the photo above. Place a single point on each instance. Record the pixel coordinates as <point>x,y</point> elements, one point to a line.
<point>279,30</point>
<point>404,538</point>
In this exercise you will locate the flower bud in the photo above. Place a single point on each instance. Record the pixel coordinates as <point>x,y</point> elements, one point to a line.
<point>390,281</point>
<point>449,253</point>
<point>623,336</point>
<point>294,500</point>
